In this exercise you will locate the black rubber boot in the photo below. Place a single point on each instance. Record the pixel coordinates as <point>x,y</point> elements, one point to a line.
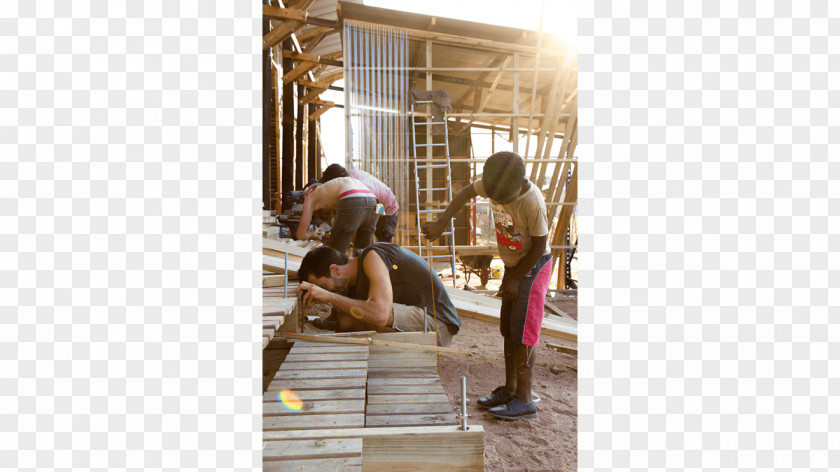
<point>500,396</point>
<point>514,410</point>
<point>522,405</point>
<point>525,359</point>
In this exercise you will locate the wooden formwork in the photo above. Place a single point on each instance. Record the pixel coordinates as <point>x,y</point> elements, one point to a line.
<point>359,407</point>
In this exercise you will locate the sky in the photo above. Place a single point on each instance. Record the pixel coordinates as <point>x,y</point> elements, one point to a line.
<point>559,18</point>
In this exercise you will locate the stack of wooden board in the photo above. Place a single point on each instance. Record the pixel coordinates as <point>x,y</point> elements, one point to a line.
<point>284,256</point>
<point>318,412</point>
<point>275,312</point>
<point>318,386</point>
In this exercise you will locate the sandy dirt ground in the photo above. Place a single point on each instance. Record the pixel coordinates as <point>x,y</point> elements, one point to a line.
<point>546,443</point>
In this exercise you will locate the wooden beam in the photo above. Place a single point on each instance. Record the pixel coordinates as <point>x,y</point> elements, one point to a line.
<point>298,71</point>
<point>323,82</point>
<point>493,87</point>
<point>312,33</point>
<point>280,33</point>
<point>297,15</point>
<point>312,95</point>
<point>514,122</point>
<point>314,116</point>
<point>312,145</point>
<point>303,57</point>
<point>279,13</point>
<point>287,125</point>
<point>546,134</point>
<point>561,348</point>
<point>300,159</point>
<point>325,103</point>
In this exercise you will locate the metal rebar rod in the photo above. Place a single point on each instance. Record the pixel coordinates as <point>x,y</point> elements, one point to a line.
<point>285,275</point>
<point>463,403</point>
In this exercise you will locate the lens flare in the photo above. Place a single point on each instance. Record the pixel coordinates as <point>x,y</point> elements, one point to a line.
<point>291,400</point>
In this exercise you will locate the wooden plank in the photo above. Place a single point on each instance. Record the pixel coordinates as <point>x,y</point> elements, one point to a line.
<point>406,389</point>
<point>408,409</point>
<point>316,357</point>
<point>556,310</point>
<point>401,373</point>
<point>323,407</point>
<point>278,265</point>
<point>369,341</point>
<point>390,399</point>
<point>390,449</point>
<point>402,381</point>
<point>412,337</point>
<point>286,423</point>
<point>343,464</point>
<point>274,292</point>
<point>278,305</point>
<point>483,300</point>
<point>413,420</point>
<point>561,348</point>
<point>324,365</point>
<point>348,464</point>
<point>402,363</point>
<point>320,395</point>
<point>334,349</point>
<point>316,384</point>
<point>321,374</point>
<point>274,281</point>
<point>401,355</point>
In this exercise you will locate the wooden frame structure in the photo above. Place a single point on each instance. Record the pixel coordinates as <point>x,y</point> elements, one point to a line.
<point>520,82</point>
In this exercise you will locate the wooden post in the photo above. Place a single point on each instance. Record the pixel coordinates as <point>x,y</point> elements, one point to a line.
<point>266,121</point>
<point>514,123</point>
<point>428,130</point>
<point>288,159</point>
<point>300,158</point>
<point>311,148</point>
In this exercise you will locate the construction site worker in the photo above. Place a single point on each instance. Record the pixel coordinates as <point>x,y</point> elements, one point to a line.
<point>519,214</point>
<point>355,217</point>
<point>387,224</point>
<point>386,288</point>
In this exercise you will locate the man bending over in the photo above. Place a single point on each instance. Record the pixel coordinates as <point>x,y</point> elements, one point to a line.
<point>385,289</point>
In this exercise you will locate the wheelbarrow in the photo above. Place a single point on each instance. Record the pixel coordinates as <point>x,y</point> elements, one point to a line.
<point>477,264</point>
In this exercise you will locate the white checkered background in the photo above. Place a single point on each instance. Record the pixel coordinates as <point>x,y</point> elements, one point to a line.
<point>710,234</point>
<point>130,151</point>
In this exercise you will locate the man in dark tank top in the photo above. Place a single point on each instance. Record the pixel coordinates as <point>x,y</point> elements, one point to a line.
<point>386,288</point>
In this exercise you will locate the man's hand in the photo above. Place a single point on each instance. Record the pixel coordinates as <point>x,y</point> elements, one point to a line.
<point>312,294</point>
<point>510,288</point>
<point>432,229</point>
